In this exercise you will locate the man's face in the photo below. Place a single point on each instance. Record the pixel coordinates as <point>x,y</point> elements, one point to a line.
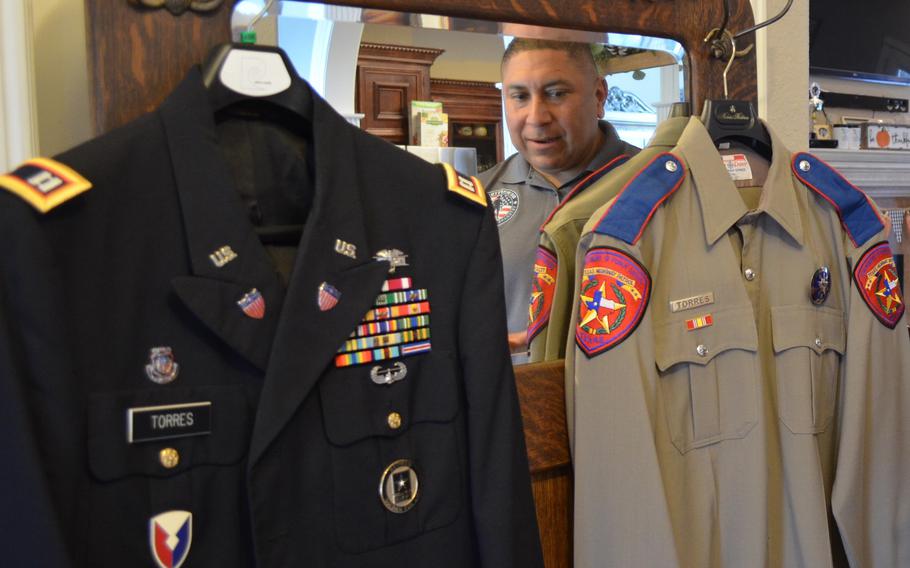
<point>552,104</point>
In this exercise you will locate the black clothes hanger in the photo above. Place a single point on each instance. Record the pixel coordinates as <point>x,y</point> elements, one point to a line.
<point>732,120</point>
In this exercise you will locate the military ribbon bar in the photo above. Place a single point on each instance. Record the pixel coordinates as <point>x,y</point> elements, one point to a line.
<point>407,336</point>
<point>699,322</point>
<point>393,284</point>
<point>386,326</point>
<point>397,311</point>
<point>401,297</point>
<point>368,356</point>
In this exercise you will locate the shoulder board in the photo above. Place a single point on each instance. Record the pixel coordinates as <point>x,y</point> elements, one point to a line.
<point>632,208</point>
<point>587,182</point>
<point>858,215</point>
<point>468,187</point>
<point>44,183</point>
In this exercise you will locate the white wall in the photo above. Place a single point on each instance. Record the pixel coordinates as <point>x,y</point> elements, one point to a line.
<point>61,74</point>
<point>783,70</point>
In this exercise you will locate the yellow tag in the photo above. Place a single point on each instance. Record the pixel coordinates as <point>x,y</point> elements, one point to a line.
<point>468,187</point>
<point>44,183</point>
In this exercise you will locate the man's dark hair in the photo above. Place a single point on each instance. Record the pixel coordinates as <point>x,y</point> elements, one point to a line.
<point>577,51</point>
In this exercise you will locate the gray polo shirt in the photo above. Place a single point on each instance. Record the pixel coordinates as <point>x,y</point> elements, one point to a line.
<point>522,199</point>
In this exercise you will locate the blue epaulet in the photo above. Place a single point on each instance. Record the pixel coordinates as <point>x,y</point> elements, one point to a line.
<point>634,205</point>
<point>857,214</point>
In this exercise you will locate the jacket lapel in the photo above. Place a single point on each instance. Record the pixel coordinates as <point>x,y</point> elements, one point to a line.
<point>227,260</point>
<point>308,336</point>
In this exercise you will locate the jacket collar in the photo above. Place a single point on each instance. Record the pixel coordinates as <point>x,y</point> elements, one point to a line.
<point>719,198</point>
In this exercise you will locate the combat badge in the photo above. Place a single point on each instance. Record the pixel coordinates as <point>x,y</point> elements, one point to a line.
<point>542,289</point>
<point>170,536</point>
<point>398,487</point>
<point>161,367</point>
<point>876,278</point>
<point>615,290</point>
<point>505,205</point>
<point>394,257</point>
<point>44,183</point>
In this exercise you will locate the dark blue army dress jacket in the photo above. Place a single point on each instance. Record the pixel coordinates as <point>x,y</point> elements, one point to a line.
<point>180,388</point>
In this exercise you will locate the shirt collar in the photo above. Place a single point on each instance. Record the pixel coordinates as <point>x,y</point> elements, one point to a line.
<point>719,198</point>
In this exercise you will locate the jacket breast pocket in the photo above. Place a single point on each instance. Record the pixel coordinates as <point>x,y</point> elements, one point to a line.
<point>708,378</point>
<point>808,345</point>
<point>399,431</point>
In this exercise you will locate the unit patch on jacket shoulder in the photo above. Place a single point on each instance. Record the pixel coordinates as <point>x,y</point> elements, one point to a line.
<point>44,183</point>
<point>542,289</point>
<point>615,290</point>
<point>468,187</point>
<point>876,278</point>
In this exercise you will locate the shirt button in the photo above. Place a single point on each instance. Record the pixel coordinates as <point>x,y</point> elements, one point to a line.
<point>169,458</point>
<point>749,274</point>
<point>394,420</point>
<point>702,350</point>
<point>818,342</point>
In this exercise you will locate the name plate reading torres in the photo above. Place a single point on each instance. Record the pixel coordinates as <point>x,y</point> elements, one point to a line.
<point>150,423</point>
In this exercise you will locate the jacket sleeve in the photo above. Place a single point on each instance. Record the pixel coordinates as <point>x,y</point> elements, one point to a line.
<point>612,415</point>
<point>871,494</point>
<point>34,383</point>
<point>500,484</point>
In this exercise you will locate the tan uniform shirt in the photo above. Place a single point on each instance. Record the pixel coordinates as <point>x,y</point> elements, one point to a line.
<point>553,280</point>
<point>731,444</point>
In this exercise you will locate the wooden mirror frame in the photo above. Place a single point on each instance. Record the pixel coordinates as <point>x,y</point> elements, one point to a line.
<point>137,55</point>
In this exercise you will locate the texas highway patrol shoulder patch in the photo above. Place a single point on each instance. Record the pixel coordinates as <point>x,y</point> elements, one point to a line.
<point>542,288</point>
<point>468,187</point>
<point>614,294</point>
<point>877,280</point>
<point>44,183</point>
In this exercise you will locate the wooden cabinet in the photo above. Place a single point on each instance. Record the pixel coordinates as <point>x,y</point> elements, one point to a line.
<point>389,77</point>
<point>475,117</point>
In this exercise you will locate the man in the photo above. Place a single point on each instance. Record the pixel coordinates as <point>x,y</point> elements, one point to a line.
<point>553,98</point>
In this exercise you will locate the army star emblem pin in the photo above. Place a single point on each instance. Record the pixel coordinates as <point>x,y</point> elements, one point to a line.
<point>394,257</point>
<point>161,368</point>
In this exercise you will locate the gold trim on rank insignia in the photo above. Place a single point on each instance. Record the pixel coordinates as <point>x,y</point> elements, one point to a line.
<point>345,248</point>
<point>388,375</point>
<point>821,285</point>
<point>327,297</point>
<point>222,256</point>
<point>171,536</point>
<point>394,257</point>
<point>161,368</point>
<point>398,487</point>
<point>253,304</point>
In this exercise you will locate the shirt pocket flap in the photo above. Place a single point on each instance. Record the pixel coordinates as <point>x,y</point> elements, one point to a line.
<point>818,328</point>
<point>729,329</point>
<point>354,407</point>
<point>220,438</point>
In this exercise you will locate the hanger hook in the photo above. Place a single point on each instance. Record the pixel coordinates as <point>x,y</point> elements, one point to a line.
<point>730,62</point>
<point>257,17</point>
<point>766,22</point>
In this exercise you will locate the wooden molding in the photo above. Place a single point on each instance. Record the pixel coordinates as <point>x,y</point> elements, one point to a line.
<point>177,7</point>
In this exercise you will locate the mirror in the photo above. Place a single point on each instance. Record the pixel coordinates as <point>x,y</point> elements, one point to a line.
<point>371,64</point>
